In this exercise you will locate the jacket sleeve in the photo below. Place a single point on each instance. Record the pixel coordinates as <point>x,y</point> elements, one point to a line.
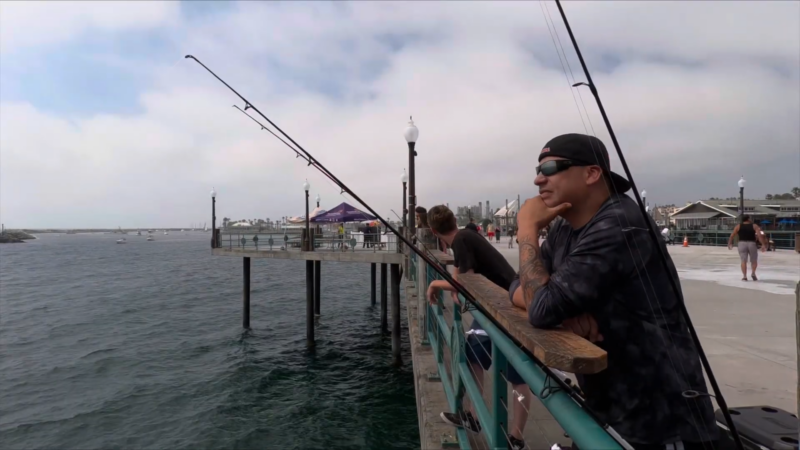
<point>581,283</point>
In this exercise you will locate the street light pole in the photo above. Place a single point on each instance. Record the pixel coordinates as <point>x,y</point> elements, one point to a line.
<point>213,218</point>
<point>644,200</point>
<point>411,134</point>
<point>741,199</point>
<point>404,180</point>
<point>306,187</point>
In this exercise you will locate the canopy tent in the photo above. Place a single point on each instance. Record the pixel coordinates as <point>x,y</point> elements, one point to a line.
<point>343,213</point>
<point>765,221</point>
<point>511,208</point>
<point>787,221</point>
<point>302,219</point>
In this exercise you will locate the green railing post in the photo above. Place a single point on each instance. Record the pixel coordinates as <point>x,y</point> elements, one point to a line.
<point>581,427</point>
<point>498,427</point>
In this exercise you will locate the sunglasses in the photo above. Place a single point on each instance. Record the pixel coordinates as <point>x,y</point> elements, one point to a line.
<point>551,168</point>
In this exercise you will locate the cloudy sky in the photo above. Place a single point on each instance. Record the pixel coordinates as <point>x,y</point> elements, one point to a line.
<point>104,123</point>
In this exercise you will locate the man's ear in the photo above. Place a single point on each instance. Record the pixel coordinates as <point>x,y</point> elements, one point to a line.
<point>593,175</point>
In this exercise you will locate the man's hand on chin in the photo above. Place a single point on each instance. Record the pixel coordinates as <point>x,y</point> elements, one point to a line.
<point>535,215</point>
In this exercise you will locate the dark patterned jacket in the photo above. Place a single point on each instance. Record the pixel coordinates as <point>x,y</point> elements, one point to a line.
<point>611,269</point>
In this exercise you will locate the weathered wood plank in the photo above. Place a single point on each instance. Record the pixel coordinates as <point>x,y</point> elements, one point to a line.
<point>560,349</point>
<point>442,257</point>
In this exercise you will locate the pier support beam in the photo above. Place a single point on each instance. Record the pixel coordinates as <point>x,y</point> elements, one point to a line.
<point>372,280</point>
<point>384,312</point>
<point>310,303</point>
<point>396,358</point>
<point>246,293</point>
<point>317,283</point>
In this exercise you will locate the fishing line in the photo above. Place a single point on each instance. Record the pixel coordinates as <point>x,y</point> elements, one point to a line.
<point>299,155</point>
<point>682,373</point>
<point>429,260</point>
<point>654,236</point>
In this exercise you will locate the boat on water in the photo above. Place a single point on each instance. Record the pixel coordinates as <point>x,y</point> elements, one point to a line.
<point>138,232</point>
<point>150,238</point>
<point>122,241</point>
<point>166,233</point>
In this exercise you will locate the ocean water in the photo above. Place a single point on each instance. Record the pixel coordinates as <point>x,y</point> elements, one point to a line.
<point>141,346</point>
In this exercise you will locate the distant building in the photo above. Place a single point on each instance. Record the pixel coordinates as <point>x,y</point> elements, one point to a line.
<point>509,211</point>
<point>724,214</point>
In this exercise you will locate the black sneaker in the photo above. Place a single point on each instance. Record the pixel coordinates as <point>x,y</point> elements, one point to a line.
<point>463,420</point>
<point>515,444</point>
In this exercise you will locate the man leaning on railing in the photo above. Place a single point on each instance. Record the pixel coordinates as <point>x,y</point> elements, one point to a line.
<point>599,274</point>
<point>472,253</point>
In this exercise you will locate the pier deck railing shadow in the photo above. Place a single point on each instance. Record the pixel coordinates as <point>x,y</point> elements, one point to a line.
<point>513,343</point>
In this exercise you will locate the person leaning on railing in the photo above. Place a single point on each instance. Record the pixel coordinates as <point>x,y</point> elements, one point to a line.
<point>472,253</point>
<point>599,274</point>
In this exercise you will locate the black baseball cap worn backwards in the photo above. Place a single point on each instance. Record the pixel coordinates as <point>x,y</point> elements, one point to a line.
<point>589,150</point>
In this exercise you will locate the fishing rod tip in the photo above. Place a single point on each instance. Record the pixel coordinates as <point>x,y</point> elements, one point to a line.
<point>190,56</point>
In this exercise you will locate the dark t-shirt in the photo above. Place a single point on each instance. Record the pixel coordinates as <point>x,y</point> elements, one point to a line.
<point>611,269</point>
<point>471,251</point>
<point>472,226</point>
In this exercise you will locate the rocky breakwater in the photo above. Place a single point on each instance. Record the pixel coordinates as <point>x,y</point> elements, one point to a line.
<point>14,237</point>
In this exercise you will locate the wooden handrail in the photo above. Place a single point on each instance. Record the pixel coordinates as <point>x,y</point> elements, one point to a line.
<point>442,257</point>
<point>557,348</point>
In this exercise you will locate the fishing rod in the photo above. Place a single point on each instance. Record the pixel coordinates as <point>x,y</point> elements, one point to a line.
<point>299,155</point>
<point>654,235</point>
<point>569,390</point>
<point>312,161</point>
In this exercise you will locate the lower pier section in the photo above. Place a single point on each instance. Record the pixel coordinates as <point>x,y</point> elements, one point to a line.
<point>431,399</point>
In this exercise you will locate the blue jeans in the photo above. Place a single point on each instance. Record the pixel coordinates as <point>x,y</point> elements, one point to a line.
<point>479,350</point>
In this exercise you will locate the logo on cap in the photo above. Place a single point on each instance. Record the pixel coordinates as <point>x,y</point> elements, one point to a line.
<point>545,150</point>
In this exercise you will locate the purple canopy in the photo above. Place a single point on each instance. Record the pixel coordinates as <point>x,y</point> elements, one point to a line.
<point>343,213</point>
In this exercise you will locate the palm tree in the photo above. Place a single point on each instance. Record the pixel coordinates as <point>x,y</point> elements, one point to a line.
<point>796,191</point>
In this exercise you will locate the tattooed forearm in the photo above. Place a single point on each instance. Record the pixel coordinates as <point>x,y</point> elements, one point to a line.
<point>532,272</point>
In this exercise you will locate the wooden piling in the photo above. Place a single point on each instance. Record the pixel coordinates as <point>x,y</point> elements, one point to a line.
<point>396,357</point>
<point>317,283</point>
<point>246,293</point>
<point>310,303</point>
<point>372,280</point>
<point>384,312</point>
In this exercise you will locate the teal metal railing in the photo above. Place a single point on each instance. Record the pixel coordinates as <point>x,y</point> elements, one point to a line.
<point>783,239</point>
<point>448,342</point>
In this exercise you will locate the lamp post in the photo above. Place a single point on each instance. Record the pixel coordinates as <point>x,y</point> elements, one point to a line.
<point>306,187</point>
<point>644,199</point>
<point>317,200</point>
<point>404,180</point>
<point>213,218</point>
<point>741,198</point>
<point>411,134</point>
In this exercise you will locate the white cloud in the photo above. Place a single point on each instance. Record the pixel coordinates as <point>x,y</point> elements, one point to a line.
<point>696,102</point>
<point>32,23</point>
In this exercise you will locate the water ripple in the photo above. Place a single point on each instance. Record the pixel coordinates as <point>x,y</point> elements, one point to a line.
<point>140,346</point>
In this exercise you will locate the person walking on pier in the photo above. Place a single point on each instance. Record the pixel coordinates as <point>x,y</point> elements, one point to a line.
<point>474,254</point>
<point>748,232</point>
<point>600,275</point>
<point>471,225</point>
